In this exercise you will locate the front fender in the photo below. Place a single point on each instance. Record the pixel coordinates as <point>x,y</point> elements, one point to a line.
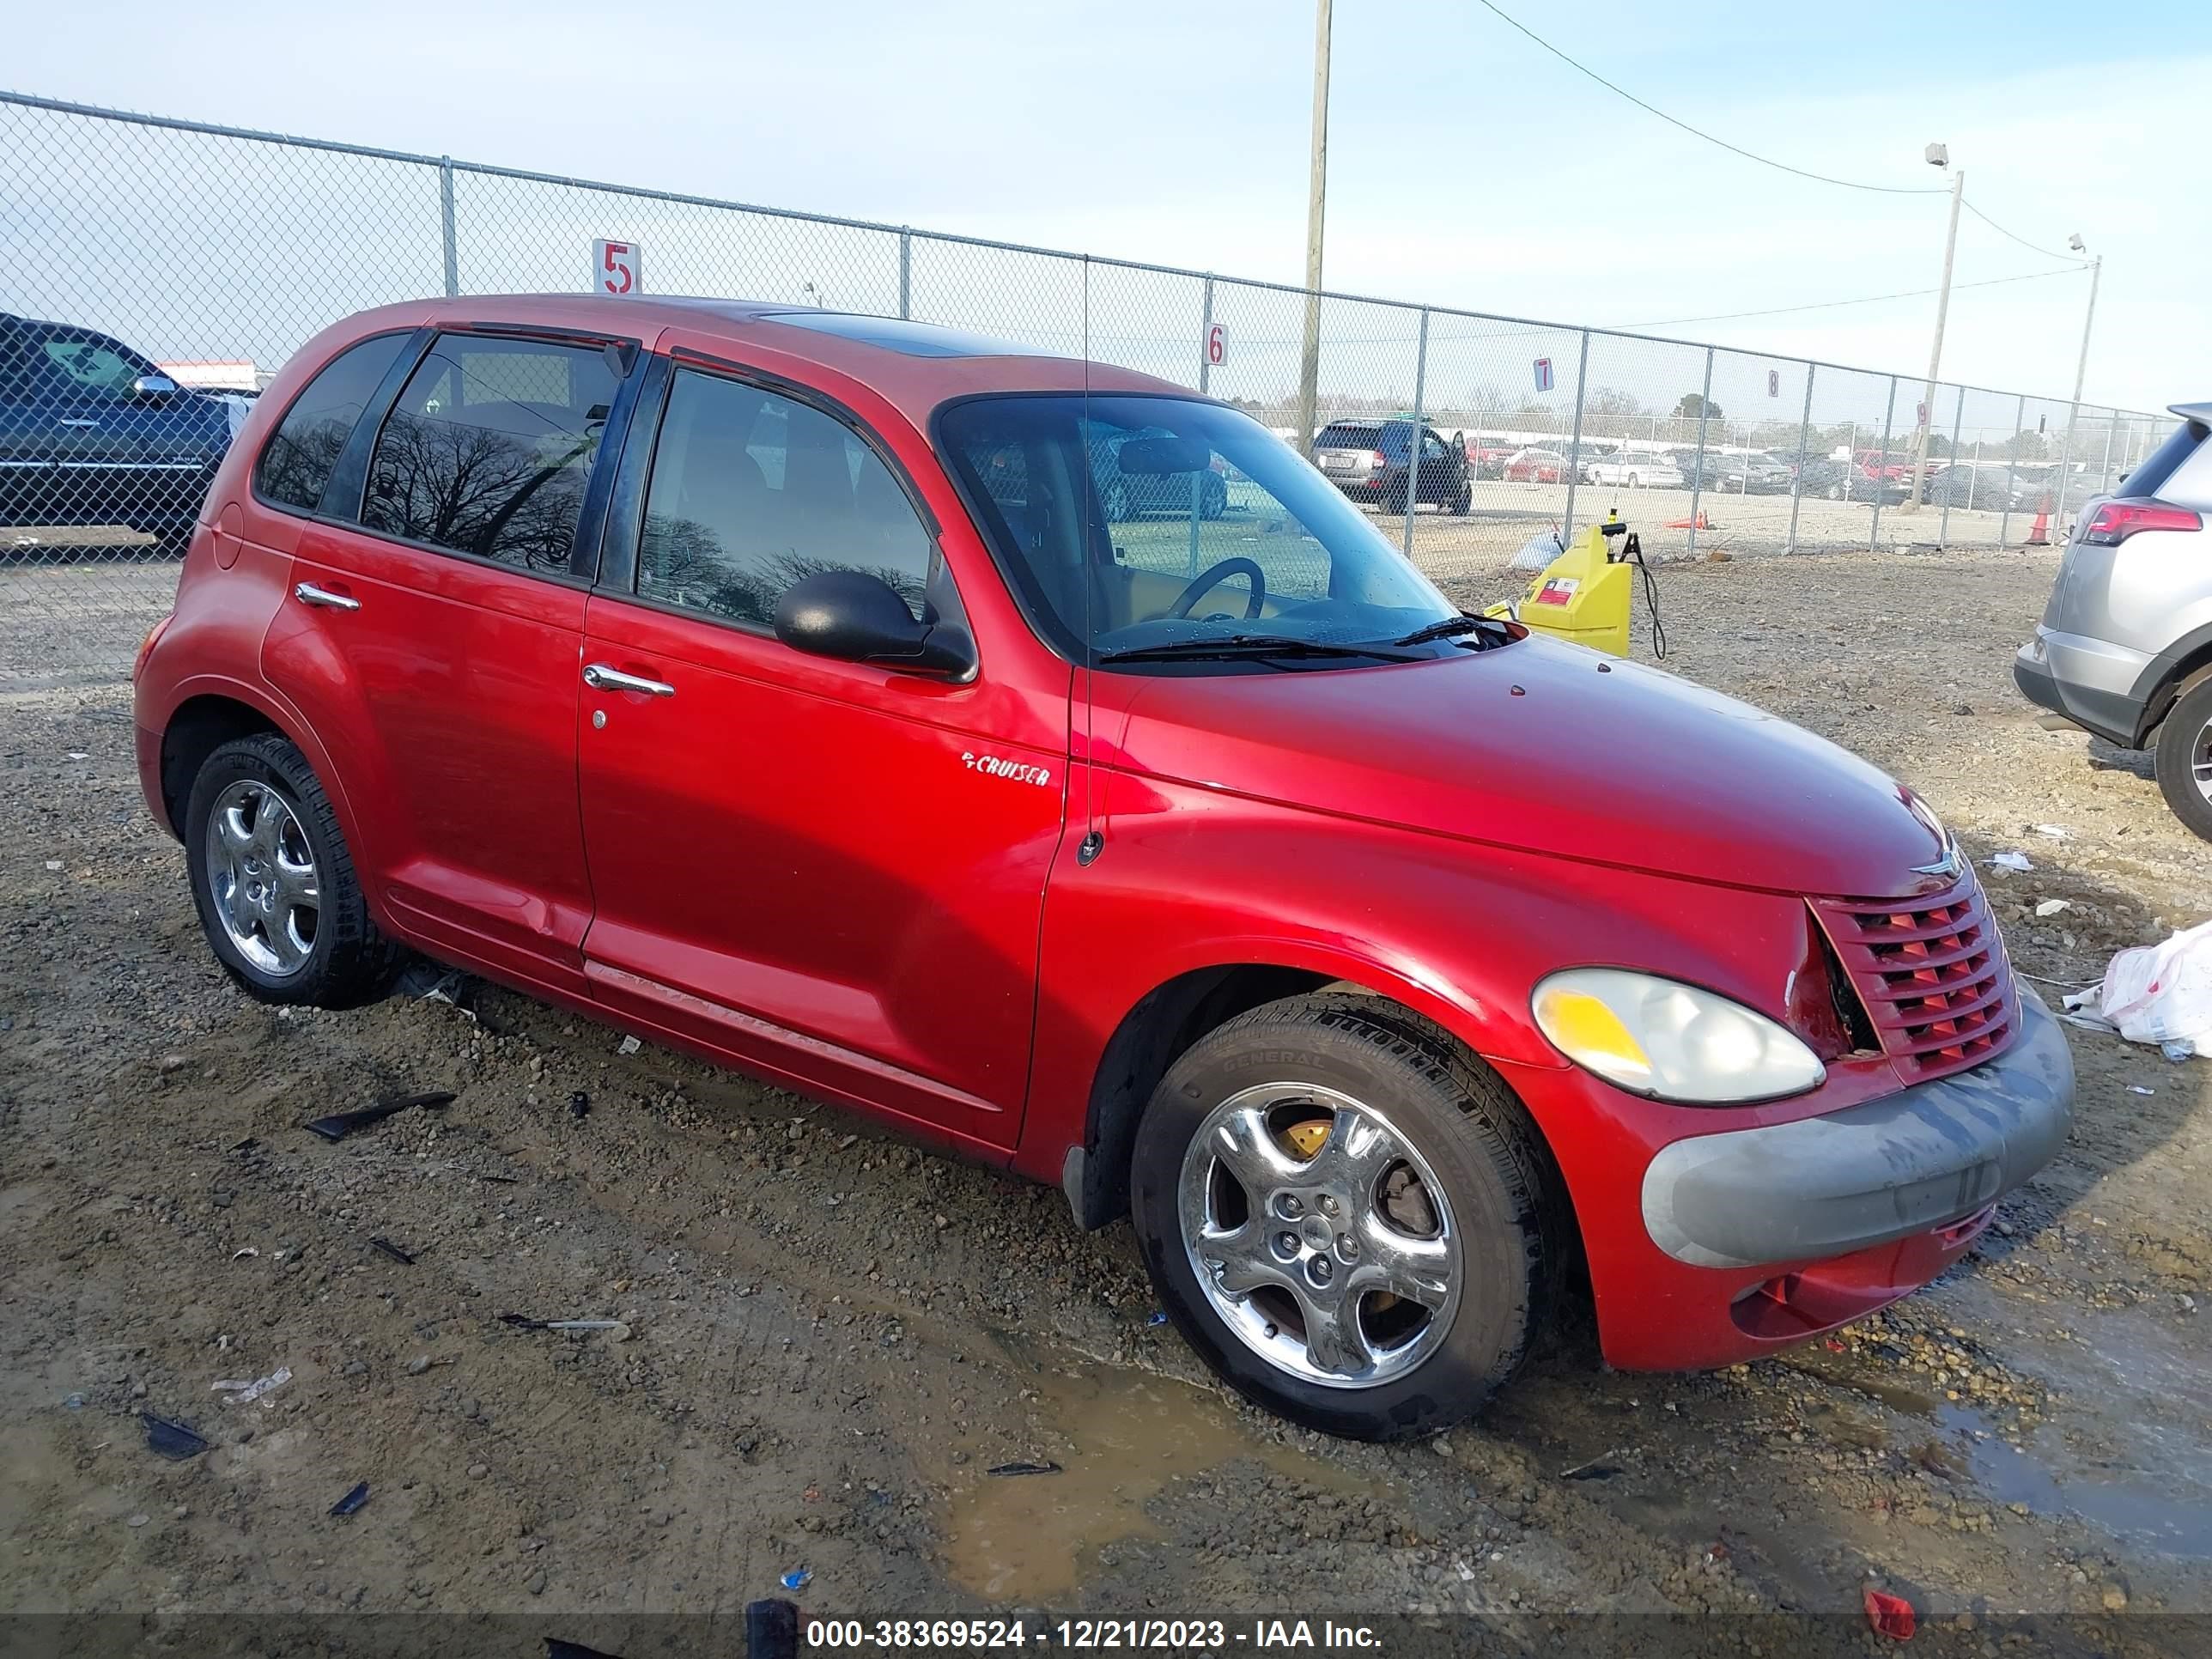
<point>1460,932</point>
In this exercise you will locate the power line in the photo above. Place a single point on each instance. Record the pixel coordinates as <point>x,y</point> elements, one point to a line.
<point>1697,132</point>
<point>2048,253</point>
<point>1865,300</point>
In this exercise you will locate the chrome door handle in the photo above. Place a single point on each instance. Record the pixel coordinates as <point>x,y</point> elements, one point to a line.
<point>600,678</point>
<point>308,594</point>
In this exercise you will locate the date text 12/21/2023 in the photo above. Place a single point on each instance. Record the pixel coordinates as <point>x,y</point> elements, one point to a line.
<point>1205,1635</point>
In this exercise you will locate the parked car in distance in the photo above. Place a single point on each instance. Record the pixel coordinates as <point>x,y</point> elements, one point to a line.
<point>1139,858</point>
<point>1735,475</point>
<point>1371,461</point>
<point>1128,495</point>
<point>1536,466</point>
<point>1845,481</point>
<point>1634,471</point>
<point>93,434</point>
<point>1488,455</point>
<point>2126,637</point>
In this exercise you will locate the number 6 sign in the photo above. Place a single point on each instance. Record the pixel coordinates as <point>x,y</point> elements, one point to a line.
<point>614,267</point>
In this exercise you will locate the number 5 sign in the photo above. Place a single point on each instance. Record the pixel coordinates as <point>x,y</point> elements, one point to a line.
<point>614,267</point>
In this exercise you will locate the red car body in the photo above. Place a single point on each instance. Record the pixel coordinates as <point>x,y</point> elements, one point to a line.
<point>927,944</point>
<point>1536,467</point>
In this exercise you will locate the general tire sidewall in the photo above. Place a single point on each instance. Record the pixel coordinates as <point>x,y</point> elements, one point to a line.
<point>226,767</point>
<point>1491,1327</point>
<point>2172,761</point>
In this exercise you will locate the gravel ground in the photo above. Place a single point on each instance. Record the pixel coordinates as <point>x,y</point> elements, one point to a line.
<point>827,1337</point>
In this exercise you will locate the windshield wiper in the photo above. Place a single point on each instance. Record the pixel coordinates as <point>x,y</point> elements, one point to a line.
<point>1227,647</point>
<point>1462,624</point>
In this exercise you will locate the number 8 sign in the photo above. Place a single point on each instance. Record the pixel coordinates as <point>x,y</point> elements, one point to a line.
<point>614,267</point>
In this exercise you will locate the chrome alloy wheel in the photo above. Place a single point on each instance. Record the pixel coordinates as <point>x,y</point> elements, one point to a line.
<point>1320,1235</point>
<point>261,878</point>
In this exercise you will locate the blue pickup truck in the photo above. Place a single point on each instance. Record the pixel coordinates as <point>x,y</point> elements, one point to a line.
<point>92,433</point>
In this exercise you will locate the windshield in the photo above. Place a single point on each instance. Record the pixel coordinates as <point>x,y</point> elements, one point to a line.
<point>1133,523</point>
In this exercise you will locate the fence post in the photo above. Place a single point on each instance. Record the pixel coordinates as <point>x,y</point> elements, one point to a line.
<point>1413,438</point>
<point>1882,475</point>
<point>1958,424</point>
<point>2058,489</point>
<point>1204,385</point>
<point>2104,474</point>
<point>1698,478</point>
<point>906,274</point>
<point>446,219</point>
<point>2012,466</point>
<point>1575,444</point>
<point>1797,479</point>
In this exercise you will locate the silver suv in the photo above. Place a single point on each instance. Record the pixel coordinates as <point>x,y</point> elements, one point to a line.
<point>2124,647</point>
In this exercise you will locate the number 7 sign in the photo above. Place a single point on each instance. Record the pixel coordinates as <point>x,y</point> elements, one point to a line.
<point>614,267</point>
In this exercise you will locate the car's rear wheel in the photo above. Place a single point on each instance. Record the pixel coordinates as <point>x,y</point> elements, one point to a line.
<point>1352,1222</point>
<point>274,882</point>
<point>1464,499</point>
<point>2184,758</point>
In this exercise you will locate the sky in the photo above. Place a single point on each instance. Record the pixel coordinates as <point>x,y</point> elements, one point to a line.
<point>1468,168</point>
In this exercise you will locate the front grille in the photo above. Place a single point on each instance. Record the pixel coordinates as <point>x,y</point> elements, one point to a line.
<point>1932,974</point>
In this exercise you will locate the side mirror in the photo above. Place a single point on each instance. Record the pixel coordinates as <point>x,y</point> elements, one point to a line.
<point>153,386</point>
<point>853,616</point>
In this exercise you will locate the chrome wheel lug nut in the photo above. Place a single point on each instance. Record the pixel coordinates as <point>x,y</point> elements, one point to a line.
<point>1329,1206</point>
<point>1288,1206</point>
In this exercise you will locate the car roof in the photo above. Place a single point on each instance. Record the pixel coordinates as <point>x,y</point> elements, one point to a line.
<point>915,367</point>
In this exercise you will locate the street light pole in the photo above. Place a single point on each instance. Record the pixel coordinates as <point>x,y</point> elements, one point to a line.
<point>2081,368</point>
<point>1309,354</point>
<point>1937,156</point>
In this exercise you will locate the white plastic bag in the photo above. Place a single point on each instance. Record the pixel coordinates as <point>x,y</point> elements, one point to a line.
<point>2160,994</point>
<point>1538,552</point>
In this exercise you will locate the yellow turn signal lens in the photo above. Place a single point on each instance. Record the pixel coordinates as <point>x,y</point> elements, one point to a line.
<point>1591,1034</point>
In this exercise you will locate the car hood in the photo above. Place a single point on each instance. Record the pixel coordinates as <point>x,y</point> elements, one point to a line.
<point>1549,748</point>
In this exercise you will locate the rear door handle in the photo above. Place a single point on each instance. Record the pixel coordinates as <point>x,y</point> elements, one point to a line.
<point>600,678</point>
<point>308,594</point>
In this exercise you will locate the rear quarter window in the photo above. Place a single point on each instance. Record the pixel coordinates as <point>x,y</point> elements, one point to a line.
<point>2178,469</point>
<point>296,462</point>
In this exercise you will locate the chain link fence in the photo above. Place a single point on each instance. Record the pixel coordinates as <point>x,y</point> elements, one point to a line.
<point>154,273</point>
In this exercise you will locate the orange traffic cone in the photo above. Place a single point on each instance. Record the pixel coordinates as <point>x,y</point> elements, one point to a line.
<point>1697,523</point>
<point>2039,533</point>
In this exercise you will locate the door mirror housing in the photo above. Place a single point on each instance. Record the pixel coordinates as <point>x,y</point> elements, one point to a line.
<point>853,616</point>
<point>153,386</point>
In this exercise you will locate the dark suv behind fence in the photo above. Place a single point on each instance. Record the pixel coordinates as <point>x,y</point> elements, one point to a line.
<point>1371,461</point>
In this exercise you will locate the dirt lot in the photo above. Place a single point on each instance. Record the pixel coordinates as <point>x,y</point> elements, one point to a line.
<point>827,1339</point>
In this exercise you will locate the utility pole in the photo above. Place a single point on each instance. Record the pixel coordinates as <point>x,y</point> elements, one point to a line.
<point>2096,271</point>
<point>1310,354</point>
<point>1937,156</point>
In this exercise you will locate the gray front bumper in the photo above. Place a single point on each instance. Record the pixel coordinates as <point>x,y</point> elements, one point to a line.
<point>1919,1159</point>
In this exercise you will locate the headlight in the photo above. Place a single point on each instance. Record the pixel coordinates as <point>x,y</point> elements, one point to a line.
<point>1654,1036</point>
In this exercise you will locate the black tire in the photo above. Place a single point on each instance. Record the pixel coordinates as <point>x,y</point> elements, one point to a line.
<point>2179,738</point>
<point>349,962</point>
<point>1463,500</point>
<point>1504,1197</point>
<point>1213,499</point>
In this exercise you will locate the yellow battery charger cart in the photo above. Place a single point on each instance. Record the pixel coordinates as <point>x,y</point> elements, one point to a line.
<point>1585,595</point>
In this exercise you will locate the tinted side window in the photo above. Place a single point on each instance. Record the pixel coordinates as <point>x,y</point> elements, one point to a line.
<point>488,449</point>
<point>2158,470</point>
<point>296,462</point>
<point>751,492</point>
<point>81,360</point>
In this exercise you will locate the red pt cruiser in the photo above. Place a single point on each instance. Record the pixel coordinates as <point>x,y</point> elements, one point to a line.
<point>771,683</point>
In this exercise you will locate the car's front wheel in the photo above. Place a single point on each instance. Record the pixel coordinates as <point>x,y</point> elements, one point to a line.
<point>1355,1225</point>
<point>274,882</point>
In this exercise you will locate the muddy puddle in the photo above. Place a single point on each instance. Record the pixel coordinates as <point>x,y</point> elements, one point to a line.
<point>1122,1438</point>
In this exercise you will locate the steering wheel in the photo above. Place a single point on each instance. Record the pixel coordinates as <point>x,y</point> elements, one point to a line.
<point>1208,579</point>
